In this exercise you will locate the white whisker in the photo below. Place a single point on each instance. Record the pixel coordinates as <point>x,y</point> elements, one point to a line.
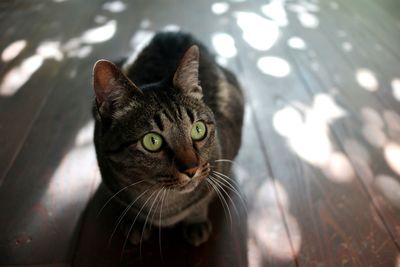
<point>113,196</point>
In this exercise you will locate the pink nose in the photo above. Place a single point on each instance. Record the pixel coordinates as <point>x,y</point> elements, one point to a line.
<point>190,172</point>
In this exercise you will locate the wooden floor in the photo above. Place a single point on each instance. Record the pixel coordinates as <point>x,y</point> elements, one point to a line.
<point>320,161</point>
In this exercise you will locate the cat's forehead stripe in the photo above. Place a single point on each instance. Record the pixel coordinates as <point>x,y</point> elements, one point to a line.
<point>158,121</point>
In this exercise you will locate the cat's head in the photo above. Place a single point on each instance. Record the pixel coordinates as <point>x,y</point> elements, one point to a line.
<point>162,133</point>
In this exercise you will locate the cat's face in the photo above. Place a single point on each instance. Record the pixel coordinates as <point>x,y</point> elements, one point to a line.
<point>164,134</point>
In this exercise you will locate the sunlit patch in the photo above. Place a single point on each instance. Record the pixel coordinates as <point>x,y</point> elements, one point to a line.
<point>270,233</point>
<point>268,192</point>
<point>308,20</point>
<point>326,109</point>
<point>219,8</point>
<point>367,80</point>
<point>310,6</point>
<point>346,46</point>
<point>100,19</point>
<point>171,28</point>
<point>274,66</point>
<point>100,34</point>
<point>297,43</point>
<point>80,52</point>
<point>59,1</point>
<point>224,45</point>
<point>138,42</point>
<point>334,5</point>
<point>275,11</point>
<point>50,49</point>
<point>115,6</point>
<point>307,132</point>
<point>392,156</point>
<point>18,76</point>
<point>396,88</point>
<point>287,120</point>
<point>255,256</point>
<point>339,168</point>
<point>389,188</point>
<point>75,177</point>
<point>392,120</point>
<point>372,117</point>
<point>13,50</point>
<point>258,32</point>
<point>146,23</point>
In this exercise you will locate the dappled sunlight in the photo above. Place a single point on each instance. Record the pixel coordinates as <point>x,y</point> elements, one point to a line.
<point>367,79</point>
<point>373,127</point>
<point>392,156</point>
<point>18,76</point>
<point>297,43</point>
<point>339,168</point>
<point>79,47</point>
<point>114,6</point>
<point>267,225</point>
<point>347,47</point>
<point>388,187</point>
<point>100,19</point>
<point>13,50</point>
<point>100,34</point>
<point>275,11</point>
<point>308,134</point>
<point>224,45</point>
<point>138,41</point>
<point>308,20</point>
<point>219,8</point>
<point>396,88</point>
<point>250,23</point>
<point>274,66</point>
<point>392,120</point>
<point>76,174</point>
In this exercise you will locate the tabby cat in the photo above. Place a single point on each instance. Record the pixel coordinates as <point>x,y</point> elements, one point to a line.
<point>162,127</point>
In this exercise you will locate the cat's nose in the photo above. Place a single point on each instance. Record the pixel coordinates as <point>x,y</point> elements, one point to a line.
<point>190,172</point>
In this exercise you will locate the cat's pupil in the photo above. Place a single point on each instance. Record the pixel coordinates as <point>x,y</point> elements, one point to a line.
<point>198,129</point>
<point>153,140</point>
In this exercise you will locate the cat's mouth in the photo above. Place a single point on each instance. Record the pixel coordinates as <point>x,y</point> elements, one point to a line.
<point>184,184</point>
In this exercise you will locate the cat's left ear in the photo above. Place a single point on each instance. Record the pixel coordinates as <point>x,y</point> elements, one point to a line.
<point>186,77</point>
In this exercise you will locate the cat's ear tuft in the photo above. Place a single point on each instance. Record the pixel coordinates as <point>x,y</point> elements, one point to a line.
<point>110,84</point>
<point>186,77</point>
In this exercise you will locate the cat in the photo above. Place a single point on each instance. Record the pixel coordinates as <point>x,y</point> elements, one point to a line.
<point>162,126</point>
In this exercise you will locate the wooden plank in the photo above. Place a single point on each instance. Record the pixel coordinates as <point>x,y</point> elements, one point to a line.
<point>320,206</point>
<point>379,25</point>
<point>18,109</point>
<point>352,126</point>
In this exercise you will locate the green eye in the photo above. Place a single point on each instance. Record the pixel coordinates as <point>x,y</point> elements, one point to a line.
<point>199,131</point>
<point>152,142</point>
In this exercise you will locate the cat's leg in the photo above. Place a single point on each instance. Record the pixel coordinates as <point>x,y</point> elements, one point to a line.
<point>136,233</point>
<point>197,227</point>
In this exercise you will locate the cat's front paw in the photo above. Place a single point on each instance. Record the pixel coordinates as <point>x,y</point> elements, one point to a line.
<point>136,233</point>
<point>197,233</point>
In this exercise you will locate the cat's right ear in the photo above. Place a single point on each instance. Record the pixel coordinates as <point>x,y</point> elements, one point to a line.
<point>111,87</point>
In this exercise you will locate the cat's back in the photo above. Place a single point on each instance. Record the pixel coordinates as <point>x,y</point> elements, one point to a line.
<point>161,56</point>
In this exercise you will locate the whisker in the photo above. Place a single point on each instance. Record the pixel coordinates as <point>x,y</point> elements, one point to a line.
<point>113,196</point>
<point>227,184</point>
<point>218,183</point>
<point>137,215</point>
<point>223,201</point>
<point>159,225</point>
<point>227,177</point>
<point>145,222</point>
<point>124,213</point>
